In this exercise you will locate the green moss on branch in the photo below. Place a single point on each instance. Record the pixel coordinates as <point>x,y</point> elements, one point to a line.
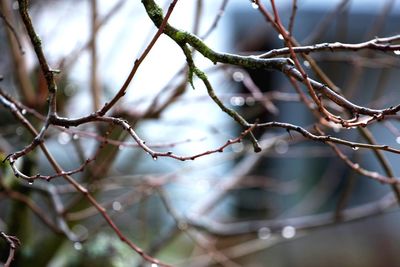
<point>183,37</point>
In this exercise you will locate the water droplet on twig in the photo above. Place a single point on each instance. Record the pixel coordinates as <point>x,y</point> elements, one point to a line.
<point>374,175</point>
<point>77,245</point>
<point>288,232</point>
<point>63,138</point>
<point>237,101</point>
<point>398,139</point>
<point>254,5</point>
<point>237,147</point>
<point>116,205</point>
<point>15,5</point>
<point>250,101</point>
<point>19,131</point>
<point>264,233</point>
<point>238,76</point>
<point>80,231</point>
<point>281,147</point>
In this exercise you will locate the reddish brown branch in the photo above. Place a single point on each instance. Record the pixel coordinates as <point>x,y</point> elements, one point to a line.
<point>292,17</point>
<point>138,62</point>
<point>357,168</point>
<point>14,243</point>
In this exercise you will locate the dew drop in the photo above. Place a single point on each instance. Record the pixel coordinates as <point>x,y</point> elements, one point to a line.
<point>238,76</point>
<point>396,52</point>
<point>23,111</point>
<point>70,89</point>
<point>374,175</point>
<point>288,232</point>
<point>250,101</point>
<point>63,138</point>
<point>355,148</point>
<point>281,147</point>
<point>77,245</point>
<point>237,101</point>
<point>254,5</point>
<point>237,147</point>
<point>80,231</point>
<point>116,205</point>
<point>154,265</point>
<point>75,136</point>
<point>398,139</point>
<point>280,36</point>
<point>306,64</point>
<point>19,131</point>
<point>154,158</point>
<point>264,233</point>
<point>356,166</point>
<point>15,5</point>
<point>30,182</point>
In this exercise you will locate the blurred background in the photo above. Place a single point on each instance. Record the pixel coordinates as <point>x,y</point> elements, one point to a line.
<point>294,204</point>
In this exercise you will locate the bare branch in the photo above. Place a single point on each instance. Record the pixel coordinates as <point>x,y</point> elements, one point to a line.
<point>14,243</point>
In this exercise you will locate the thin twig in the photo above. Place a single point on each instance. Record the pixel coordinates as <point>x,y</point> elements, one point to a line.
<point>357,168</point>
<point>321,27</point>
<point>382,160</point>
<point>19,61</point>
<point>314,66</point>
<point>376,44</point>
<point>11,28</point>
<point>138,62</point>
<point>14,243</point>
<point>94,79</point>
<point>292,17</point>
<point>218,17</point>
<point>300,223</point>
<point>217,256</point>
